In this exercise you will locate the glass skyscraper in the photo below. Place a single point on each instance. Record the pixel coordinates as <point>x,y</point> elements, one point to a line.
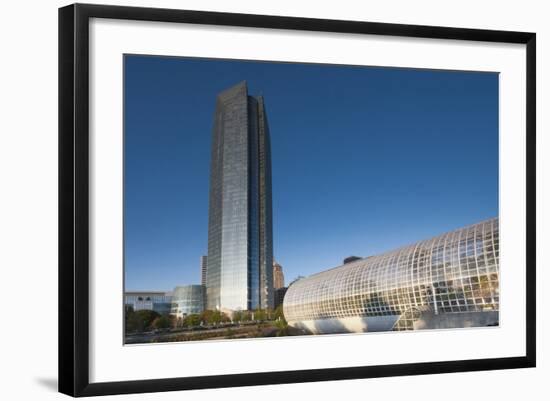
<point>239,274</point>
<point>204,265</point>
<point>278,276</point>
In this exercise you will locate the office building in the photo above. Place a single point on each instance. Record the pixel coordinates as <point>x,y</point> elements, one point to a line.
<point>157,301</point>
<point>187,300</point>
<point>279,296</point>
<point>239,274</point>
<point>278,276</point>
<point>204,264</point>
<point>449,281</point>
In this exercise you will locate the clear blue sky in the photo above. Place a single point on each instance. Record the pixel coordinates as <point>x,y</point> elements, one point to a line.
<point>364,160</point>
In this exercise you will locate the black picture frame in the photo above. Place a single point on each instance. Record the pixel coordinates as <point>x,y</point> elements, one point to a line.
<point>74,198</point>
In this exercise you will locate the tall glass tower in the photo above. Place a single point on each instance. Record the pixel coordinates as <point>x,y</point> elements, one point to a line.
<point>239,274</point>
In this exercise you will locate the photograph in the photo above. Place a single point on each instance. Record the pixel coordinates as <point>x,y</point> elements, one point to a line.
<point>256,199</point>
<point>276,199</point>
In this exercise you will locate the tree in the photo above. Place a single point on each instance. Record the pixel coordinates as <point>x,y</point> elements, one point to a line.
<point>147,317</point>
<point>224,318</point>
<point>278,314</point>
<point>176,321</point>
<point>140,320</point>
<point>237,316</point>
<point>260,314</point>
<point>192,320</point>
<point>215,318</point>
<point>246,316</point>
<point>206,316</point>
<point>133,323</point>
<point>161,322</point>
<point>282,327</point>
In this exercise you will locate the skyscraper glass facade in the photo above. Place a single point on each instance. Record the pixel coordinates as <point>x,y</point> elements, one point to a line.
<point>204,264</point>
<point>157,301</point>
<point>240,228</point>
<point>188,299</point>
<point>452,279</point>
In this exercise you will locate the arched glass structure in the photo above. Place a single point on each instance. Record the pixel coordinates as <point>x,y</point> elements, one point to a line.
<point>451,280</point>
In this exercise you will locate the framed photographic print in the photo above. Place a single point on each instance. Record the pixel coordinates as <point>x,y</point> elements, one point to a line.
<point>250,199</point>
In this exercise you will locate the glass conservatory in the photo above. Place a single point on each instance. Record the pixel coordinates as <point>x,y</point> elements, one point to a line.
<point>448,281</point>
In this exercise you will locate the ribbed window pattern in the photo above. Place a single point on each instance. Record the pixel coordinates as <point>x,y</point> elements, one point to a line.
<point>454,272</point>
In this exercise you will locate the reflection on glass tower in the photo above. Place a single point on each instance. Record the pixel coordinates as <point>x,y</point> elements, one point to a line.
<point>239,272</point>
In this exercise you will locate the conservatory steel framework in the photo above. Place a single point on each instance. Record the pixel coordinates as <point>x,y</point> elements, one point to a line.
<point>451,280</point>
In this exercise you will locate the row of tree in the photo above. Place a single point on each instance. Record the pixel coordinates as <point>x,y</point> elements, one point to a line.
<point>206,318</point>
<point>147,320</point>
<point>215,318</point>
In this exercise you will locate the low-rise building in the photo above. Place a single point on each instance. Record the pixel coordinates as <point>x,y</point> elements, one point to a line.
<point>279,296</point>
<point>187,300</point>
<point>158,301</point>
